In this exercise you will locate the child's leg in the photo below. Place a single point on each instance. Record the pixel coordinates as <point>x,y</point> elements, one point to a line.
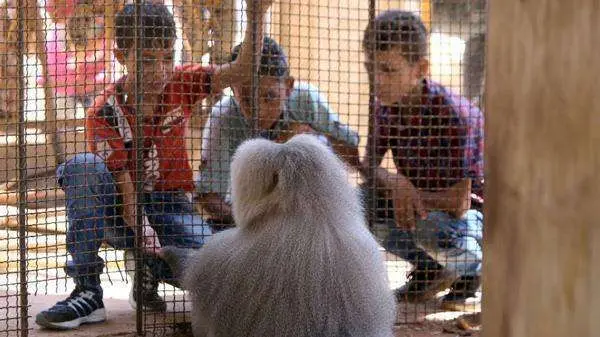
<point>91,202</point>
<point>463,296</point>
<point>454,243</point>
<point>427,277</point>
<point>396,241</point>
<point>176,223</point>
<point>402,244</point>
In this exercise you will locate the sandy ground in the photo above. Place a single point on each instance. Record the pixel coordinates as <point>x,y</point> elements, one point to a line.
<point>413,320</point>
<point>121,321</point>
<point>47,283</point>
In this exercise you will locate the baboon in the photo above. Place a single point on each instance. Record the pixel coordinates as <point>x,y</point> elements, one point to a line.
<point>300,261</point>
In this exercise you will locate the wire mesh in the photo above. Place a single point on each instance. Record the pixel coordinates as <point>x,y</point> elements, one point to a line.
<point>107,130</point>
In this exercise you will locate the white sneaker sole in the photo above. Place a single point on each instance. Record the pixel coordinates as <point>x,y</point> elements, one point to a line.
<point>132,302</point>
<point>95,317</point>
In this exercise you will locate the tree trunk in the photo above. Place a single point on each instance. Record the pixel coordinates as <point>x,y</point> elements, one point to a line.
<point>542,235</point>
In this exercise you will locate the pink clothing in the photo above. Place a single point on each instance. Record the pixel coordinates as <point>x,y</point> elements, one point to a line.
<point>69,77</point>
<point>60,10</point>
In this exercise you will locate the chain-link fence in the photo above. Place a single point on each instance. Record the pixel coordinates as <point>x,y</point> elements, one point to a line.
<point>119,121</point>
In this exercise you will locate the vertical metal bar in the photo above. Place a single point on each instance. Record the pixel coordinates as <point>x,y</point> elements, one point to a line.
<point>372,214</point>
<point>256,55</point>
<point>22,162</point>
<point>425,10</point>
<point>139,160</point>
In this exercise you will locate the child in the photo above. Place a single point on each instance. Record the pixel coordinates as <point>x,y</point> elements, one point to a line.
<point>285,107</point>
<point>75,75</point>
<point>100,186</point>
<point>436,139</point>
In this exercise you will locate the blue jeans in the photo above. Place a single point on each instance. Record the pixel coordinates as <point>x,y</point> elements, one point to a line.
<point>93,214</point>
<point>456,244</point>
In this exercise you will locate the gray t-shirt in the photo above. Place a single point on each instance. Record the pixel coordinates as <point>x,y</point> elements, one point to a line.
<point>227,128</point>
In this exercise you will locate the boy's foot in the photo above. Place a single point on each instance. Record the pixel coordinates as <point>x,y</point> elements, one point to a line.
<point>423,285</point>
<point>151,300</point>
<point>82,306</point>
<point>463,296</point>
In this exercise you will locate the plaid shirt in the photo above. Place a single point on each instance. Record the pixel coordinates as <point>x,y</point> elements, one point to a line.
<point>435,143</point>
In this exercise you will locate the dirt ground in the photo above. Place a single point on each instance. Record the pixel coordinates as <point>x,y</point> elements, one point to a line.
<point>438,329</point>
<point>46,286</point>
<point>428,329</point>
<point>414,321</point>
<point>424,329</point>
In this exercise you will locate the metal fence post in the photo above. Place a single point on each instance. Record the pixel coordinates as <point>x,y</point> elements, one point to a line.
<point>21,175</point>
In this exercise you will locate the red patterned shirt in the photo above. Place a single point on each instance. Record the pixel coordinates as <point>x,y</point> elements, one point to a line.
<point>435,142</point>
<point>111,130</point>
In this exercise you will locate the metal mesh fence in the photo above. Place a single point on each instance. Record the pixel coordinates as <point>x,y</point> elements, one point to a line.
<point>119,121</point>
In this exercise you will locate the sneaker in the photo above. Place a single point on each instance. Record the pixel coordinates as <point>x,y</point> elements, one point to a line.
<point>82,306</point>
<point>151,300</point>
<point>423,285</point>
<point>463,296</point>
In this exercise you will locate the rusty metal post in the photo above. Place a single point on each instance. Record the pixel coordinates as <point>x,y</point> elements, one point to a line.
<point>21,177</point>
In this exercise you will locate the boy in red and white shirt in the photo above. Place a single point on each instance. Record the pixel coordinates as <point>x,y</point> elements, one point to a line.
<point>100,185</point>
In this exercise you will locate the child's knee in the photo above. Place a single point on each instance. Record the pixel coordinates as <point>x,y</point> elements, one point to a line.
<point>83,170</point>
<point>474,220</point>
<point>81,164</point>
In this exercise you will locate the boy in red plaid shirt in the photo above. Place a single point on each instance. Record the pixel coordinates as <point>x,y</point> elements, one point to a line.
<point>436,139</point>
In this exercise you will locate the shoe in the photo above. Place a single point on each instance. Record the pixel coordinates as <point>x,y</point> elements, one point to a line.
<point>423,285</point>
<point>463,296</point>
<point>151,301</point>
<point>82,306</point>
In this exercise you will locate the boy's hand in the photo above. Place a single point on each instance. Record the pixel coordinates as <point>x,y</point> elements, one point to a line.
<point>294,129</point>
<point>408,206</point>
<point>261,5</point>
<point>461,191</point>
<point>298,128</point>
<point>151,243</point>
<point>242,68</point>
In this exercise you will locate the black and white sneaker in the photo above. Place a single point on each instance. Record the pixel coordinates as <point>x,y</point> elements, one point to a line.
<point>151,301</point>
<point>464,295</point>
<point>82,306</point>
<point>424,284</point>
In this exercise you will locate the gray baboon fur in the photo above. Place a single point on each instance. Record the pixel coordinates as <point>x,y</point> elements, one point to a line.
<point>300,262</point>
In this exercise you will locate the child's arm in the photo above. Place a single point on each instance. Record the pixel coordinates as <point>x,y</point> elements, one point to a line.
<point>377,146</point>
<point>217,148</point>
<point>126,189</point>
<point>347,152</point>
<point>306,104</point>
<point>460,168</point>
<point>408,206</point>
<point>241,69</point>
<point>455,200</point>
<point>104,140</point>
<point>194,82</point>
<point>216,206</point>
